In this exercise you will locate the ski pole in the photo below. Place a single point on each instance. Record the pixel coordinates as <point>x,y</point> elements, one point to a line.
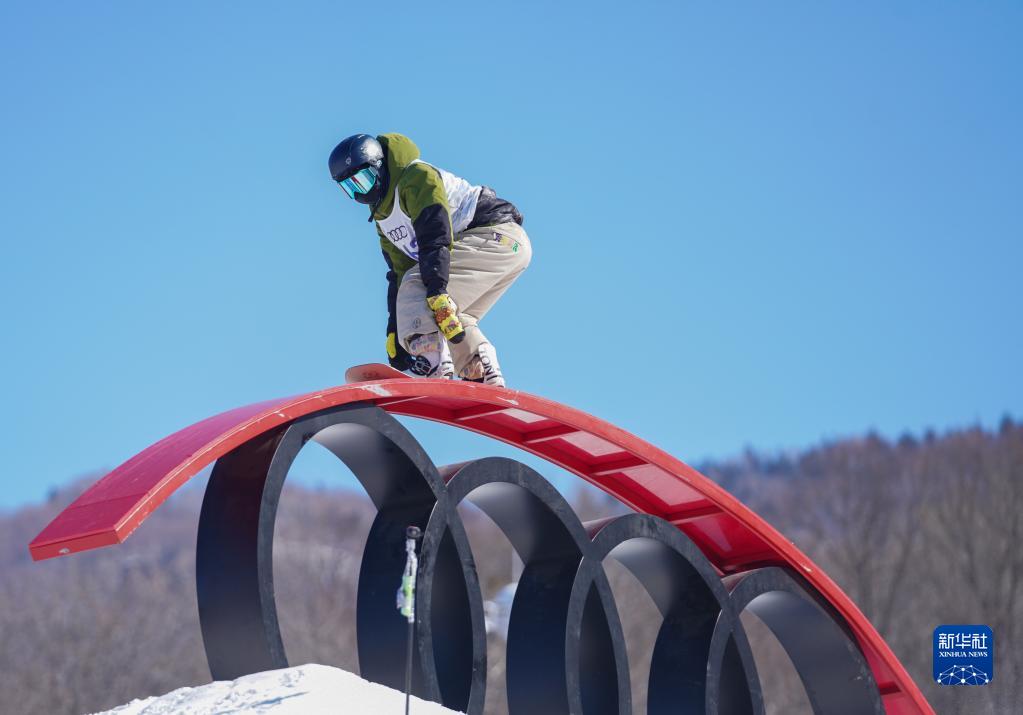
<point>407,603</point>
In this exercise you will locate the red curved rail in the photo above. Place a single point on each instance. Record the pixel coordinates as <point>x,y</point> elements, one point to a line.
<point>647,479</point>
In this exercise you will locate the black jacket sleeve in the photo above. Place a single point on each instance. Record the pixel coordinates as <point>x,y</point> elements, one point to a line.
<point>392,296</point>
<point>433,232</point>
<point>492,210</point>
<point>400,361</point>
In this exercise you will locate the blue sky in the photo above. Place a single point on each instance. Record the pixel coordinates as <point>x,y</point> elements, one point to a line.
<point>753,224</point>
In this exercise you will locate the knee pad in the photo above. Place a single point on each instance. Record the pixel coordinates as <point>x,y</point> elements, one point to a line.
<point>430,356</point>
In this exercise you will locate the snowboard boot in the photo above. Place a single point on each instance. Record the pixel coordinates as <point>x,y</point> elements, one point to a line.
<point>430,356</point>
<point>491,368</point>
<point>483,367</point>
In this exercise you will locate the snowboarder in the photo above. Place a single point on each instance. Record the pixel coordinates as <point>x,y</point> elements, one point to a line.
<point>452,249</point>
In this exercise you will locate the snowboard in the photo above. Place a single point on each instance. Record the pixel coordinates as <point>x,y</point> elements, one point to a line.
<point>374,371</point>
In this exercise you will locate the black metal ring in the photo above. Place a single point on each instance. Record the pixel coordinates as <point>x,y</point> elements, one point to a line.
<point>452,641</point>
<point>692,601</point>
<point>234,551</point>
<point>830,665</point>
<point>551,541</point>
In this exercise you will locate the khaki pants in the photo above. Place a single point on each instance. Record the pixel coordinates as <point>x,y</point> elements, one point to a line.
<point>484,262</point>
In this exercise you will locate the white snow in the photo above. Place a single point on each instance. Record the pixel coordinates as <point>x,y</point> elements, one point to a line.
<point>303,690</point>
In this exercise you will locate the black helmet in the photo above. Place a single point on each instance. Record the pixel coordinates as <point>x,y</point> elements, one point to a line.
<point>357,152</point>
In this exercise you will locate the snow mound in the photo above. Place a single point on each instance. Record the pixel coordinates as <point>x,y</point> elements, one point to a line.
<point>303,690</point>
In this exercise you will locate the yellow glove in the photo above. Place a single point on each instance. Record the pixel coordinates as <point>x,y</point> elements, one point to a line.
<point>445,312</point>
<point>390,345</point>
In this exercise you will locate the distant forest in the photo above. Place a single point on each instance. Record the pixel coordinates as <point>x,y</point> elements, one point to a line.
<point>919,531</point>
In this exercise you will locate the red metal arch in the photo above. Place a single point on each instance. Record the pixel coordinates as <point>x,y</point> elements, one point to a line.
<point>646,478</point>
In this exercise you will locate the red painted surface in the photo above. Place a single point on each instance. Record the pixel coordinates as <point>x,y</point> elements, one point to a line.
<point>637,473</point>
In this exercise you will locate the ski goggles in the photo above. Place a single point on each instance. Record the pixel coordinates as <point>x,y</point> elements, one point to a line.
<point>360,182</point>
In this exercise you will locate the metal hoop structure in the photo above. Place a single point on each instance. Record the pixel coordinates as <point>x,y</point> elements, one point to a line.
<point>702,557</point>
